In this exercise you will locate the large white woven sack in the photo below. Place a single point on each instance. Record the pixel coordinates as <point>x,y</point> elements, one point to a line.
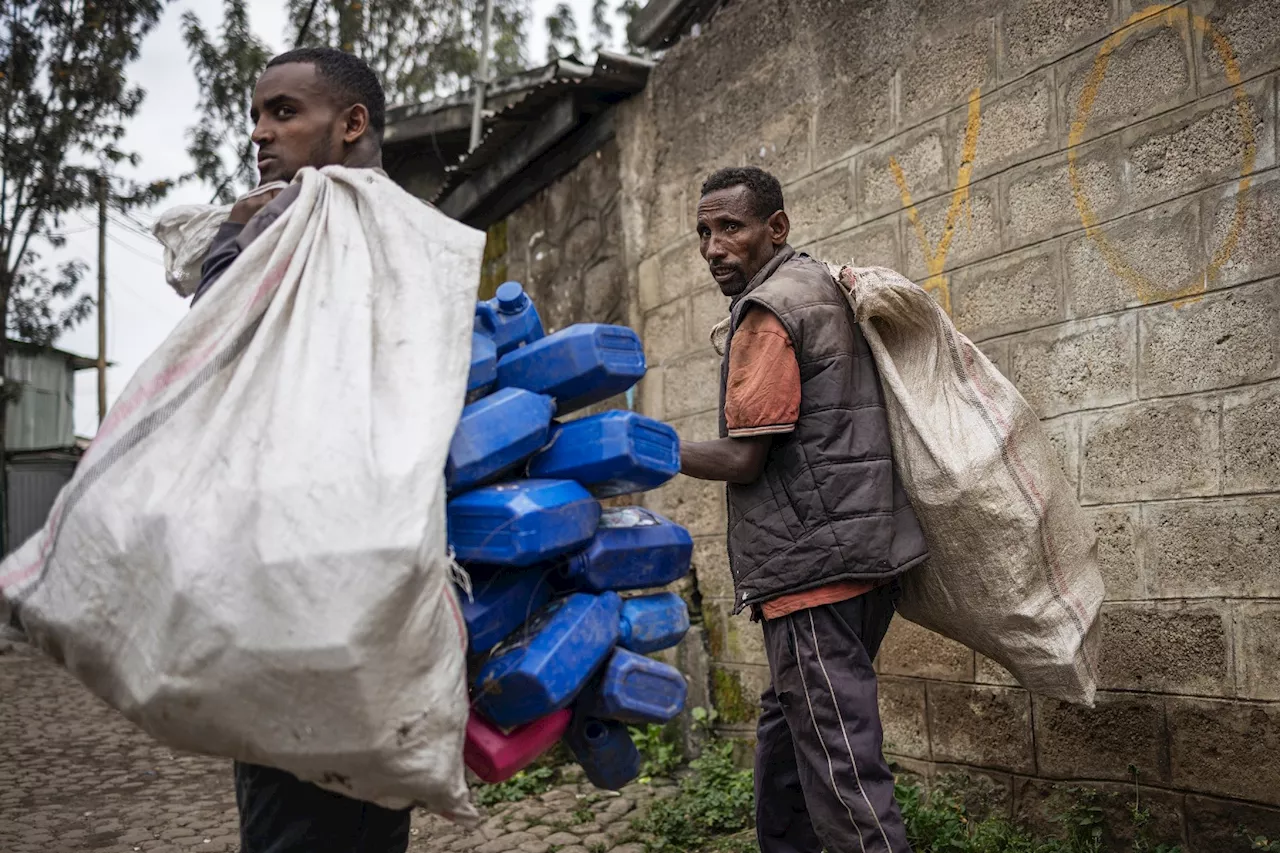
<point>251,560</point>
<point>1012,569</point>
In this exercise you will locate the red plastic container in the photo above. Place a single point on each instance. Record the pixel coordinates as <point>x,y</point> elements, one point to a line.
<point>496,757</point>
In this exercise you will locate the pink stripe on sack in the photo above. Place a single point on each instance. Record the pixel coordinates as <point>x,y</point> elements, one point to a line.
<point>124,408</point>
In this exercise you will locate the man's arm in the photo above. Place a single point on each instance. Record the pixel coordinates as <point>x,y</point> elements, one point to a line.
<point>733,460</point>
<point>227,245</point>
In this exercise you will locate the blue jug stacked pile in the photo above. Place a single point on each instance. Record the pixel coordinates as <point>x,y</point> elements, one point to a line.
<point>556,651</point>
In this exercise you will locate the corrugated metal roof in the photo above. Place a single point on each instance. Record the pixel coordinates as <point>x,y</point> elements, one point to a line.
<point>44,413</point>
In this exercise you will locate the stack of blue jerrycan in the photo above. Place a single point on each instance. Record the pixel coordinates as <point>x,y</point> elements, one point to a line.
<point>558,631</point>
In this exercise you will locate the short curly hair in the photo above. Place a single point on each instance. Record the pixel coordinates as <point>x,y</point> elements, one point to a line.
<point>351,77</point>
<point>766,191</point>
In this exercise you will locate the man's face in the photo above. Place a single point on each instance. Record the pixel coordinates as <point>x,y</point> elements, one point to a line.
<point>296,122</point>
<point>736,242</point>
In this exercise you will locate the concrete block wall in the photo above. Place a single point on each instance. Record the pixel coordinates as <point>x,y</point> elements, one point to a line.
<point>1090,187</point>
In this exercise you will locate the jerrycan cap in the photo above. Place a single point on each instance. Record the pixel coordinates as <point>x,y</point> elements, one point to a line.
<point>511,297</point>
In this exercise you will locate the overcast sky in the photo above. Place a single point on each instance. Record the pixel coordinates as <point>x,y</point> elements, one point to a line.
<point>141,307</point>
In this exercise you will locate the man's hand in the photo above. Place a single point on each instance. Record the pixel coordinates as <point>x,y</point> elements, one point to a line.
<point>245,208</point>
<point>733,460</point>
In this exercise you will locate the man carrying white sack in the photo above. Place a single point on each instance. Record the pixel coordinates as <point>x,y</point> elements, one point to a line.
<point>312,107</point>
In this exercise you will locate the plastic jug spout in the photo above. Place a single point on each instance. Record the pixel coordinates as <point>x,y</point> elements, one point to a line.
<point>574,567</point>
<point>511,297</point>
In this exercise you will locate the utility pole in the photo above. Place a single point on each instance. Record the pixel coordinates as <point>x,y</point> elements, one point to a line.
<point>102,295</point>
<point>482,78</point>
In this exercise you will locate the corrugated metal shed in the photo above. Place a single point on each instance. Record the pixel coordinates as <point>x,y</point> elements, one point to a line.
<point>33,481</point>
<point>44,414</point>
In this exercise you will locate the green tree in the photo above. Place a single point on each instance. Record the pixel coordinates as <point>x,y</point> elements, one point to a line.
<point>562,33</point>
<point>420,48</point>
<point>65,99</point>
<point>226,70</point>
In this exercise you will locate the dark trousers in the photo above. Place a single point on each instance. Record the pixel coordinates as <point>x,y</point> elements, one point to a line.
<point>279,813</point>
<point>821,778</point>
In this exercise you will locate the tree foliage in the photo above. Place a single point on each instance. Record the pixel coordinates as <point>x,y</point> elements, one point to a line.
<point>64,102</point>
<point>562,33</point>
<point>419,48</point>
<point>226,71</point>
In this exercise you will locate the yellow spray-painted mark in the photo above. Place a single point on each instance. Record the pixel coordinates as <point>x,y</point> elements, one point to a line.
<point>1180,18</point>
<point>936,259</point>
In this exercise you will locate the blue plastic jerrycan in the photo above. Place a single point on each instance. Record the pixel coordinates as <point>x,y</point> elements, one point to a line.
<point>608,756</point>
<point>521,523</point>
<point>633,549</point>
<point>484,367</point>
<point>614,453</point>
<point>501,601</point>
<point>509,319</point>
<point>496,434</point>
<point>651,623</point>
<point>543,666</point>
<point>578,366</point>
<point>635,689</point>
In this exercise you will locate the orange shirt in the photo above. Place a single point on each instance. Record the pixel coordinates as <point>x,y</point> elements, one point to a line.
<point>762,397</point>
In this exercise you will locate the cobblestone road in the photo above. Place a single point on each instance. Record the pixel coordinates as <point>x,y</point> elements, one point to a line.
<point>76,776</point>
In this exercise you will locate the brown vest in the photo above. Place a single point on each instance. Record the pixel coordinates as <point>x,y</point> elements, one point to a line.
<point>829,505</point>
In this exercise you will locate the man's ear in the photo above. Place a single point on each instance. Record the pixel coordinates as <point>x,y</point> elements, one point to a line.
<point>779,227</point>
<point>357,124</point>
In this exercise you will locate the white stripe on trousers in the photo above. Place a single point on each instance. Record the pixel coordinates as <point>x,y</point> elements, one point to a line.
<point>831,770</point>
<point>857,777</point>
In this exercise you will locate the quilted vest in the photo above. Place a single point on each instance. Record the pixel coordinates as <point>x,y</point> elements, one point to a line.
<point>829,505</point>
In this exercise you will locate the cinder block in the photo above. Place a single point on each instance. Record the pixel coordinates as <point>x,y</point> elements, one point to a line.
<point>1217,341</point>
<point>695,504</point>
<point>668,214</point>
<point>874,245</point>
<point>1258,649</point>
<point>1117,529</point>
<point>854,110</point>
<point>1033,32</point>
<point>1089,364</point>
<point>1148,73</point>
<point>975,231</point>
<point>1212,548</point>
<point>732,639</point>
<point>709,308</point>
<point>691,384</point>
<point>987,671</point>
<point>1040,200</point>
<point>1039,805</point>
<point>649,393</point>
<point>820,204</point>
<point>903,715</point>
<point>1171,648</point>
<point>710,567</point>
<point>649,273</point>
<point>781,145</point>
<point>909,649</point>
<point>736,690</point>
<point>1199,145</point>
<point>921,154</point>
<point>1156,255</point>
<point>1074,742</point>
<point>1226,748</point>
<point>1213,826</point>
<point>982,793</point>
<point>1064,435</point>
<point>982,726</point>
<point>1249,28</point>
<point>1152,450</point>
<point>703,426</point>
<point>1251,438</point>
<point>1243,233</point>
<point>1010,294</point>
<point>683,271</point>
<point>666,332</point>
<point>1017,124</point>
<point>943,69</point>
